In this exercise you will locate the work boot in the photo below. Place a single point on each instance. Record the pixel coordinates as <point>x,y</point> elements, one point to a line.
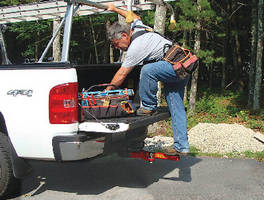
<point>144,112</point>
<point>173,152</point>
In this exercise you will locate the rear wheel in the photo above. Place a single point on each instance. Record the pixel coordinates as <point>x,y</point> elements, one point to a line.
<point>8,183</point>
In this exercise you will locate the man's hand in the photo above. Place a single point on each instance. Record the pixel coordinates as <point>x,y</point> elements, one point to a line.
<point>124,13</point>
<point>110,87</point>
<point>111,7</point>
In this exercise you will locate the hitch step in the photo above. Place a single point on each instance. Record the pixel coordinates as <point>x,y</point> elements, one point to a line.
<point>150,156</point>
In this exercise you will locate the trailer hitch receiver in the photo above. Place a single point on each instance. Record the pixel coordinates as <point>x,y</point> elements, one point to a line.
<point>150,156</point>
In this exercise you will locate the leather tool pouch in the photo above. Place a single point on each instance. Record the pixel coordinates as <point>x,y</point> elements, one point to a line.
<point>106,104</point>
<point>183,62</point>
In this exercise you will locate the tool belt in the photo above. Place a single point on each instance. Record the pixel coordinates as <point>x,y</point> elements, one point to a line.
<point>106,104</point>
<point>183,62</point>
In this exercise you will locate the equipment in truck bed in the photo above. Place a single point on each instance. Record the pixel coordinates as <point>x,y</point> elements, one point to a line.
<point>106,104</point>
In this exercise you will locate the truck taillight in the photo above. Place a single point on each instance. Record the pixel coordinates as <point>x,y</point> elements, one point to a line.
<point>63,104</point>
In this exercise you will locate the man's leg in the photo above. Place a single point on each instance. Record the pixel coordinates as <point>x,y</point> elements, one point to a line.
<point>149,76</point>
<point>174,96</point>
<point>148,88</point>
<point>174,91</point>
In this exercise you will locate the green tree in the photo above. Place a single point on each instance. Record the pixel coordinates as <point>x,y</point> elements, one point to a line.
<point>33,36</point>
<point>200,20</point>
<point>258,74</point>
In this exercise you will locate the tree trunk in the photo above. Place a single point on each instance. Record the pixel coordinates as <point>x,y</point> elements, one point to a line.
<point>56,48</point>
<point>111,49</point>
<point>160,18</point>
<point>185,45</point>
<point>159,26</point>
<point>111,54</point>
<point>211,69</point>
<point>197,38</point>
<point>107,43</point>
<point>36,45</point>
<point>226,12</point>
<point>258,77</point>
<point>94,41</point>
<point>223,80</point>
<point>5,59</point>
<point>237,60</point>
<point>251,78</point>
<point>121,20</point>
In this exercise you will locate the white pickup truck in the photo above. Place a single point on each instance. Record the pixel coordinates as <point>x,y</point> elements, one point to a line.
<point>39,116</point>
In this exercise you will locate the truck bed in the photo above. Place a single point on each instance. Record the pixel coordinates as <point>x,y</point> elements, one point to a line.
<point>93,74</point>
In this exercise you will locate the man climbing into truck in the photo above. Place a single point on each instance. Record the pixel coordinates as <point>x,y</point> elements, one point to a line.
<point>148,48</point>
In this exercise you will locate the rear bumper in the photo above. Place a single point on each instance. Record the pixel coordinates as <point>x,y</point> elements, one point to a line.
<point>88,145</point>
<point>77,147</point>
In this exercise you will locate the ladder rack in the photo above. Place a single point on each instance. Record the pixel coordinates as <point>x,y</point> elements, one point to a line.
<point>66,9</point>
<point>57,8</point>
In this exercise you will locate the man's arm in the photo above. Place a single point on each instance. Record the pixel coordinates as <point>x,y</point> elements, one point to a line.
<point>119,11</point>
<point>119,77</point>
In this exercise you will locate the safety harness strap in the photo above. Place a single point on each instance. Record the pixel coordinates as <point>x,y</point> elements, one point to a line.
<point>137,34</point>
<point>145,29</point>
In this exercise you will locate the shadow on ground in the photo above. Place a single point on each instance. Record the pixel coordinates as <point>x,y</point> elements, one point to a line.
<point>102,174</point>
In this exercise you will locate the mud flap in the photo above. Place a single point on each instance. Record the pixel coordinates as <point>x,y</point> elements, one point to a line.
<point>20,167</point>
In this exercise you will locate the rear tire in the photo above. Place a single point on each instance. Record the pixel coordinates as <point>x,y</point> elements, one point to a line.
<point>8,183</point>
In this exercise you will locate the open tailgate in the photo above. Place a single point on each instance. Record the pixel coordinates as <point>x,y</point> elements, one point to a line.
<point>114,125</point>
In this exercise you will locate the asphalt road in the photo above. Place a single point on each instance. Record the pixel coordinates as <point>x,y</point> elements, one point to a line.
<point>118,178</point>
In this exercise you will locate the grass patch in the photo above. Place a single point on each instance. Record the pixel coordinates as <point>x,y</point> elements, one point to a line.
<point>258,155</point>
<point>248,154</point>
<point>227,107</point>
<point>196,152</point>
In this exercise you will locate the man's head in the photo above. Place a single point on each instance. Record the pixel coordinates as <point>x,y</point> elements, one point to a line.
<point>119,35</point>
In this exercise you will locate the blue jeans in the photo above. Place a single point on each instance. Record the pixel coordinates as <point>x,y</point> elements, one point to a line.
<point>174,92</point>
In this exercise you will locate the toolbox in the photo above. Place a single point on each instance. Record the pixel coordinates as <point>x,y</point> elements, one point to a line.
<point>106,103</point>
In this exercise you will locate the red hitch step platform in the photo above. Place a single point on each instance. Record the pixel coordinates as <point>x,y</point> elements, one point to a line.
<point>149,156</point>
